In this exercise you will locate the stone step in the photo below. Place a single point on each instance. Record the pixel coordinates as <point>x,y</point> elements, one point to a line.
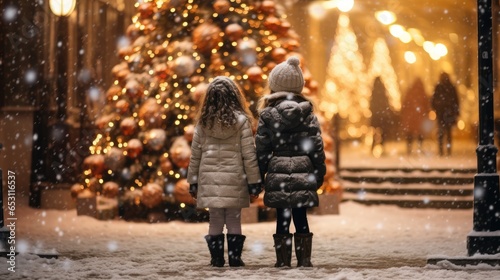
<point>409,187</point>
<point>410,170</point>
<point>412,201</point>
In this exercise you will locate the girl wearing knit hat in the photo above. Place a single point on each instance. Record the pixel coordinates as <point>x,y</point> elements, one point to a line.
<point>291,159</point>
<point>223,172</point>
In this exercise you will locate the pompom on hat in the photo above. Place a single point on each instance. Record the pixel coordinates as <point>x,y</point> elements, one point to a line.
<point>287,76</point>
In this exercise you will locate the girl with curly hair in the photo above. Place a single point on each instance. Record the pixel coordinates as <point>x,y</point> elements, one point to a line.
<point>223,171</point>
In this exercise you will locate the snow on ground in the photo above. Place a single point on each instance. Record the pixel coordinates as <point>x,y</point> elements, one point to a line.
<point>363,242</point>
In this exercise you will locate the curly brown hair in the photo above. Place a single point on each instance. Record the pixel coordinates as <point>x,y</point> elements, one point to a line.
<point>223,100</point>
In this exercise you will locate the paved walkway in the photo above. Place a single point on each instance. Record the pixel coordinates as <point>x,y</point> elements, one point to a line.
<point>356,154</point>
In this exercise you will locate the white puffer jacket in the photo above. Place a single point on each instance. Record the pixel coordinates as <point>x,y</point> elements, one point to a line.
<point>223,162</point>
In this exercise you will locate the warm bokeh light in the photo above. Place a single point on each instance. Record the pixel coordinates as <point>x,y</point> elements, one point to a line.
<point>345,5</point>
<point>441,49</point>
<point>385,17</point>
<point>428,46</point>
<point>396,30</point>
<point>410,57</point>
<point>461,125</point>
<point>317,10</point>
<point>435,51</point>
<point>405,37</point>
<point>416,36</point>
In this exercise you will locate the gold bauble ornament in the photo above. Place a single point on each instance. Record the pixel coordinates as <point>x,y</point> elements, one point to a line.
<point>114,159</point>
<point>181,192</point>
<point>162,71</point>
<point>272,23</point>
<point>152,195</point>
<point>122,106</point>
<point>279,55</point>
<point>183,66</point>
<point>113,92</point>
<point>254,74</point>
<point>95,163</point>
<point>189,132</point>
<point>199,92</point>
<point>268,7</point>
<point>134,148</point>
<point>128,126</point>
<point>76,189</point>
<point>155,139</point>
<point>150,113</point>
<point>146,9</point>
<point>234,32</point>
<point>103,121</point>
<point>221,6</point>
<point>134,89</point>
<point>110,189</point>
<point>165,165</point>
<point>206,37</point>
<point>180,152</point>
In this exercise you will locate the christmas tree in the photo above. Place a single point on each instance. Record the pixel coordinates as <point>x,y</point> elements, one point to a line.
<point>141,153</point>
<point>347,89</point>
<point>381,66</point>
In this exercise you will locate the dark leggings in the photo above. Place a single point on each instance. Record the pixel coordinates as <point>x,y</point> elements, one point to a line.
<point>284,217</point>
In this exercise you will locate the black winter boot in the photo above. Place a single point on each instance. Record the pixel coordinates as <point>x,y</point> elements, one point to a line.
<point>216,246</point>
<point>283,248</point>
<point>303,245</point>
<point>234,249</point>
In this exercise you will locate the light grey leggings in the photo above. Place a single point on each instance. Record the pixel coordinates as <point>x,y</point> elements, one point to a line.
<point>231,217</point>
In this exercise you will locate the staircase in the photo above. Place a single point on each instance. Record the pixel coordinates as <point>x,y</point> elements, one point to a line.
<point>410,187</point>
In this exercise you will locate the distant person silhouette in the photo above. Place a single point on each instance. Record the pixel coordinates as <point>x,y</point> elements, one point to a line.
<point>381,114</point>
<point>414,113</point>
<point>446,104</point>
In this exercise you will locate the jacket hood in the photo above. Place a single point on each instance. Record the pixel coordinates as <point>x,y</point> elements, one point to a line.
<point>219,132</point>
<point>287,110</point>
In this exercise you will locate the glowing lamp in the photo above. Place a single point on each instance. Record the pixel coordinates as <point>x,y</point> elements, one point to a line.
<point>62,7</point>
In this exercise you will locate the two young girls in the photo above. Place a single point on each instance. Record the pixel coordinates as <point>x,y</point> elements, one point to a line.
<point>226,167</point>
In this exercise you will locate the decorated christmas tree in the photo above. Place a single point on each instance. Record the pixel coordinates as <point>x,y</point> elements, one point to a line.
<point>142,149</point>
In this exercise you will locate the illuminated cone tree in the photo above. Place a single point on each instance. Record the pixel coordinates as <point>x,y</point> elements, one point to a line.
<point>347,89</point>
<point>142,150</point>
<point>381,66</point>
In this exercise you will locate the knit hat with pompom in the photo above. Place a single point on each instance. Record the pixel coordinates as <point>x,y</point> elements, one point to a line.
<point>287,76</point>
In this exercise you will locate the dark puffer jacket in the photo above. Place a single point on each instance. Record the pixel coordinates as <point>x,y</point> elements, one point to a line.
<point>290,151</point>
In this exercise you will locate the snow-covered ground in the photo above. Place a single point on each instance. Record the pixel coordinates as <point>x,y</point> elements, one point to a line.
<point>363,242</point>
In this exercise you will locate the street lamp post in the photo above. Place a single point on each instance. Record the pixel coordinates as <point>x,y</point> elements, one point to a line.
<point>52,145</point>
<point>483,242</point>
<point>59,131</point>
<point>485,236</point>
